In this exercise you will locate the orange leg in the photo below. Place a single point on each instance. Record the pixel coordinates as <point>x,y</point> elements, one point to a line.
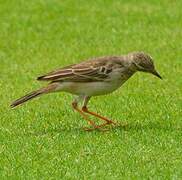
<point>74,105</point>
<point>108,121</point>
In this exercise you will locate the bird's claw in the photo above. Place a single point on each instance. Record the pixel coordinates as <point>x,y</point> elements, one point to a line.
<point>94,128</point>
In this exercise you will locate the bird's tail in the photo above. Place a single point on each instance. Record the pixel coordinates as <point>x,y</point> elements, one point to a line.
<point>33,94</point>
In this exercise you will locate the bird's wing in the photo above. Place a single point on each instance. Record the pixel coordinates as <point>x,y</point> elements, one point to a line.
<point>88,71</point>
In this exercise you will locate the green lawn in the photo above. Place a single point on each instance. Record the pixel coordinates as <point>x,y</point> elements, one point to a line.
<point>44,138</point>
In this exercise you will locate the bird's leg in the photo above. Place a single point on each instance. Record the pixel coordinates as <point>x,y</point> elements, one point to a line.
<point>108,121</point>
<point>85,109</point>
<point>75,106</point>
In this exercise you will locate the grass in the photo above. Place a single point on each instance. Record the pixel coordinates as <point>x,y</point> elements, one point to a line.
<point>43,139</point>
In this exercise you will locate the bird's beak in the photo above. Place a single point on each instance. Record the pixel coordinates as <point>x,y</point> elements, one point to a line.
<point>156,74</point>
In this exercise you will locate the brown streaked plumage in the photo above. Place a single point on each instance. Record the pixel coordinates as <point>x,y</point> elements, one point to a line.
<point>93,77</point>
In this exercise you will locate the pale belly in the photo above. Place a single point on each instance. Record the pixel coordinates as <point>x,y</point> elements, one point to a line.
<point>89,89</point>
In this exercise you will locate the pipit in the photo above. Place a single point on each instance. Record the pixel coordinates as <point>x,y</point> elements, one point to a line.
<point>93,77</point>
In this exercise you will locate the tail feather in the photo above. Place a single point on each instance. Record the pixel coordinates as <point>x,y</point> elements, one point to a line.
<point>50,88</point>
<point>26,98</point>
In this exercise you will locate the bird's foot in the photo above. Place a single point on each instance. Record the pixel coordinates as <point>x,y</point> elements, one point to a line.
<point>94,128</point>
<point>99,127</point>
<point>114,124</point>
<point>123,124</point>
<point>109,122</point>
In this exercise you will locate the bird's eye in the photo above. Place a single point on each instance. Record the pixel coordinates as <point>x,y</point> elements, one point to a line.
<point>108,71</point>
<point>103,69</point>
<point>143,65</point>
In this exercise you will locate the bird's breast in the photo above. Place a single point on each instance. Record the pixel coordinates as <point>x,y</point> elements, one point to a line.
<point>120,75</point>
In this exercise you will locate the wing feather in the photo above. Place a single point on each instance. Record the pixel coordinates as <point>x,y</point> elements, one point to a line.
<point>84,72</point>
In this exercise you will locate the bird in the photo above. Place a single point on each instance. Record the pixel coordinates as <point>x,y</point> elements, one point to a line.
<point>93,77</point>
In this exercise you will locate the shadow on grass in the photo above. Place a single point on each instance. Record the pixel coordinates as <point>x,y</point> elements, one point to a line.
<point>72,130</point>
<point>149,126</point>
<point>165,126</point>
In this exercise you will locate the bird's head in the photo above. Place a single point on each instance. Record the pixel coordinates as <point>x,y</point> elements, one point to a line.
<point>143,62</point>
